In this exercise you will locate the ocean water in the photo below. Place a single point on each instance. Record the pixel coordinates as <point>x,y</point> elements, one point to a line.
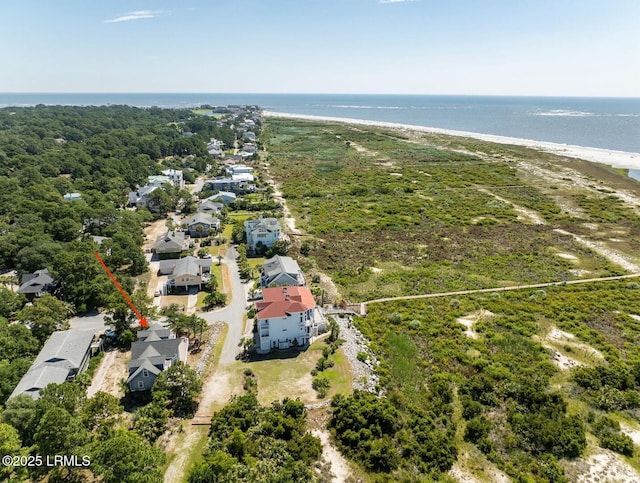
<point>608,123</point>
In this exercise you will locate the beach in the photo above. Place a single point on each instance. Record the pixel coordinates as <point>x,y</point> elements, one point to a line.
<point>616,159</point>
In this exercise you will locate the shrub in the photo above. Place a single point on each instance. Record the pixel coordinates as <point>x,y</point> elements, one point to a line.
<point>362,356</point>
<point>321,384</point>
<point>415,324</point>
<point>395,318</point>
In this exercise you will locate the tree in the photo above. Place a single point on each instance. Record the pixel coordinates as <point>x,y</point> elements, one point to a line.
<point>68,395</point>
<point>10,302</point>
<point>151,421</point>
<point>179,387</point>
<point>127,458</point>
<point>60,433</point>
<point>11,445</point>
<point>46,315</point>
<point>101,411</point>
<point>21,413</point>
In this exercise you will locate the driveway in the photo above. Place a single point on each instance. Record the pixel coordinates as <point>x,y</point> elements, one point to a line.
<point>92,320</point>
<point>232,314</point>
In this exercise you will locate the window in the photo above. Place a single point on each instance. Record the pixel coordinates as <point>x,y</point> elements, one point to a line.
<point>140,384</point>
<point>145,373</point>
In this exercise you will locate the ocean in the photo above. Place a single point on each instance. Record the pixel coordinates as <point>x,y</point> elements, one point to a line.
<point>607,123</point>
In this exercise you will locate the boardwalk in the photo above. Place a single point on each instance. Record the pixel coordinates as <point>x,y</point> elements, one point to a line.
<point>501,289</point>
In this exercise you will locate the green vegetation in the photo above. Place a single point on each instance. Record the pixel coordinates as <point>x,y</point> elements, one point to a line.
<point>252,443</point>
<point>404,218</point>
<point>399,217</point>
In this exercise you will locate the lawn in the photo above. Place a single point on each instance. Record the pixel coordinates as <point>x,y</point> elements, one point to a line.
<point>288,374</point>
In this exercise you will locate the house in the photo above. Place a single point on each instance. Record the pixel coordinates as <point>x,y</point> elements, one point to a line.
<point>238,169</point>
<point>202,224</point>
<point>230,184</point>
<point>213,207</point>
<point>225,197</point>
<point>72,196</point>
<point>285,318</point>
<point>156,350</point>
<point>172,242</point>
<point>263,230</point>
<point>176,177</point>
<point>243,177</point>
<point>36,284</point>
<point>281,271</point>
<point>141,197</point>
<point>250,135</point>
<point>187,272</point>
<point>65,355</point>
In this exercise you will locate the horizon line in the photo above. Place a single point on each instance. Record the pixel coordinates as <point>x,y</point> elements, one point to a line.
<point>316,94</point>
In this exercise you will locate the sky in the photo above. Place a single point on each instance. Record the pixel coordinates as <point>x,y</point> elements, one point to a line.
<point>474,47</point>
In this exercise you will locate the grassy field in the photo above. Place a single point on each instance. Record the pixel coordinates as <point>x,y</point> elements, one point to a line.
<point>527,385</point>
<point>404,218</point>
<point>289,373</point>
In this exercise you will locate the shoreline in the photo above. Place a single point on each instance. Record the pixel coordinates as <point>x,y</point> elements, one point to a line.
<point>609,157</point>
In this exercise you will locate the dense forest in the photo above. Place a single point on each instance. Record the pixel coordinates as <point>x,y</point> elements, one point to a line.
<point>102,153</point>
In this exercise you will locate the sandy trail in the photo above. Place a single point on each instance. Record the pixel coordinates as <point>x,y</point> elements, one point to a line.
<point>339,465</point>
<point>111,370</point>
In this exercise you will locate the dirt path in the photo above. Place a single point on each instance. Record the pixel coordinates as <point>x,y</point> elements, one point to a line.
<point>523,213</point>
<point>111,370</point>
<point>502,289</point>
<point>609,254</point>
<point>339,465</point>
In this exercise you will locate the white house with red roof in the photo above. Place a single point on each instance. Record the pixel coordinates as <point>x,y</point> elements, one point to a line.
<point>286,317</point>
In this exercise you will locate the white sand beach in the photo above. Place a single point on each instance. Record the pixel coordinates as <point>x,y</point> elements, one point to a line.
<point>617,159</point>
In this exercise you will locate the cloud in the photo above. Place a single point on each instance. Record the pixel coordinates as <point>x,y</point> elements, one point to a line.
<point>137,15</point>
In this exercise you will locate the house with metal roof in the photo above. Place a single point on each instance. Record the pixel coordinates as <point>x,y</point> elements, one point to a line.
<point>156,350</point>
<point>65,355</point>
<point>281,271</point>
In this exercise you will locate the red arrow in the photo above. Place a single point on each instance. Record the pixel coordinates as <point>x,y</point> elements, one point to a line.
<point>141,319</point>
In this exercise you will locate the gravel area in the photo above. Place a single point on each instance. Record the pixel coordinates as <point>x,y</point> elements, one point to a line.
<point>202,362</point>
<point>364,377</point>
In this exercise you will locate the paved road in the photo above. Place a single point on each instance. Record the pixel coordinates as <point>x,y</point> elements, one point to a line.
<point>502,289</point>
<point>232,314</point>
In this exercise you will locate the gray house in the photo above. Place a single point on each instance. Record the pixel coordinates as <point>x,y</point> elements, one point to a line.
<point>65,355</point>
<point>281,271</point>
<point>211,206</point>
<point>263,230</point>
<point>156,350</point>
<point>202,224</point>
<point>187,272</point>
<point>224,197</point>
<point>141,197</point>
<point>172,242</point>
<point>37,283</point>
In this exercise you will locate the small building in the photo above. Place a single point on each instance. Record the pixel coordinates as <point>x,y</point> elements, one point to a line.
<point>187,272</point>
<point>156,350</point>
<point>72,196</point>
<point>202,224</point>
<point>224,197</point>
<point>65,355</point>
<point>210,206</point>
<point>237,186</point>
<point>172,242</point>
<point>238,169</point>
<point>281,271</point>
<point>176,177</point>
<point>285,318</point>
<point>141,197</point>
<point>36,284</point>
<point>263,230</point>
